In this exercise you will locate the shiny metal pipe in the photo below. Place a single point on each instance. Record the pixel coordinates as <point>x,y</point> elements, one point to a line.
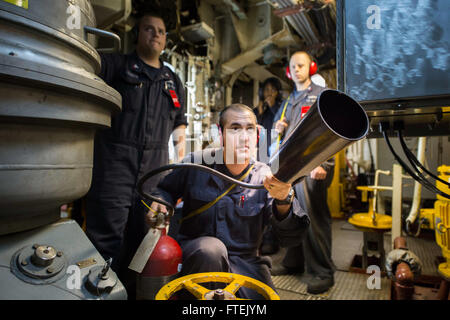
<point>332,123</point>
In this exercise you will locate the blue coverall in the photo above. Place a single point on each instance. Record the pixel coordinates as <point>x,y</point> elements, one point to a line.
<point>315,251</point>
<point>136,143</point>
<point>225,237</point>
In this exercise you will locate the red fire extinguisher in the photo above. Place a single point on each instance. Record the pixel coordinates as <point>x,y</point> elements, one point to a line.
<point>163,264</point>
<point>162,267</point>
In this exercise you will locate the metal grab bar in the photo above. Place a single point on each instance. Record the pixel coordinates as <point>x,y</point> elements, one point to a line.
<point>106,34</point>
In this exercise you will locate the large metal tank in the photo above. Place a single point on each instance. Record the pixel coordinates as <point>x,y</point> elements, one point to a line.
<point>51,103</point>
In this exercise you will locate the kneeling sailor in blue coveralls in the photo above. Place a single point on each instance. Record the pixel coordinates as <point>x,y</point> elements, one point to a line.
<point>222,225</point>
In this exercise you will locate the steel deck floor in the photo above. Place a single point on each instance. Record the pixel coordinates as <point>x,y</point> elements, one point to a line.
<point>348,242</point>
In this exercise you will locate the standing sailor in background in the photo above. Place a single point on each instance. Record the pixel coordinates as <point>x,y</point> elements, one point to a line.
<point>315,251</point>
<point>137,142</point>
<point>270,100</point>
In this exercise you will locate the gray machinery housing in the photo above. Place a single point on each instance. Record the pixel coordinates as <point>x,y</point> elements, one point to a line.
<point>51,104</point>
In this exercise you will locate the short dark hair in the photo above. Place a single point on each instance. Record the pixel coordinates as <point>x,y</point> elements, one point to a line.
<point>234,107</point>
<point>149,13</point>
<point>140,16</point>
<point>276,84</point>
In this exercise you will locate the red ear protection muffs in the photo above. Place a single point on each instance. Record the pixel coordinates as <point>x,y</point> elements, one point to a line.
<point>312,70</point>
<point>288,73</point>
<point>258,130</point>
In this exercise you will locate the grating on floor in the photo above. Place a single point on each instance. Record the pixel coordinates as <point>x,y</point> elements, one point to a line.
<point>348,242</point>
<point>348,286</point>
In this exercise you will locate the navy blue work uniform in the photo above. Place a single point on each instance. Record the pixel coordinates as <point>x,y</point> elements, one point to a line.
<point>136,143</point>
<point>266,120</point>
<point>297,102</point>
<point>266,138</point>
<point>225,237</point>
<point>315,251</point>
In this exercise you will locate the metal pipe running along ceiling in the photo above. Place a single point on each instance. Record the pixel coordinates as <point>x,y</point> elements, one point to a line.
<point>300,22</point>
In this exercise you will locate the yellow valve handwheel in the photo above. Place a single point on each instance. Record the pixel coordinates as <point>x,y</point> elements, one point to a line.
<point>234,281</point>
<point>441,227</point>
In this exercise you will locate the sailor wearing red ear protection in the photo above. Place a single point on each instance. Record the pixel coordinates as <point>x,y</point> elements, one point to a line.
<point>301,68</point>
<point>315,251</point>
<point>312,69</point>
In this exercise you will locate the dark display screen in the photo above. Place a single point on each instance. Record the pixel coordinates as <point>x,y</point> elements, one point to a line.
<point>393,50</point>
